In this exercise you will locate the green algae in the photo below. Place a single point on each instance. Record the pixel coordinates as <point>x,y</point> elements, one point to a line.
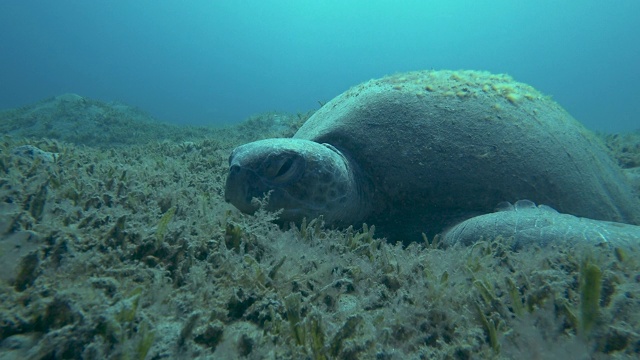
<point>163,224</point>
<point>590,290</point>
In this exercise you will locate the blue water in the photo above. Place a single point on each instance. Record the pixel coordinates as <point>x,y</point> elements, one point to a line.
<point>214,61</point>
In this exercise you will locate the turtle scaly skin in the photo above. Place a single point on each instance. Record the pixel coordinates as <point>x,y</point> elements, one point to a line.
<point>524,224</point>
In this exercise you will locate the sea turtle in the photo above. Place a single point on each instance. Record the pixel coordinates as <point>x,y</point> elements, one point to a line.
<point>418,152</point>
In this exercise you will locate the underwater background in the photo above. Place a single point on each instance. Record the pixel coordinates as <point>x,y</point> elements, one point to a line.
<point>117,119</point>
<point>210,62</point>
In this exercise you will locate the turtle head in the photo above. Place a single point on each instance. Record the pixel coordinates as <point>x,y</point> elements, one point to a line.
<point>301,177</point>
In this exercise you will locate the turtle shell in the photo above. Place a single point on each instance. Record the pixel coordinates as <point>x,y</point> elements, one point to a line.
<point>441,146</point>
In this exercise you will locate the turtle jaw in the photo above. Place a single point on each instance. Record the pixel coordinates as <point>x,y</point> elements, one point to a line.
<point>239,190</point>
<point>244,185</point>
<point>258,169</point>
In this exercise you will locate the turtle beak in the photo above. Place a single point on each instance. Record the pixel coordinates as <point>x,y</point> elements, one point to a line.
<point>238,189</point>
<point>231,186</point>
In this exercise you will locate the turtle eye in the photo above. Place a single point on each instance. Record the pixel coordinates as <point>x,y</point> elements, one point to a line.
<point>286,166</point>
<point>284,169</point>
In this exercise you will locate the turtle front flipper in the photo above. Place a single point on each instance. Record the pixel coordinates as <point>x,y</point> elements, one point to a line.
<point>525,224</point>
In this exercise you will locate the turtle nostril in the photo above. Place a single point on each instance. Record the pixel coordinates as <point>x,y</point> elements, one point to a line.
<point>234,169</point>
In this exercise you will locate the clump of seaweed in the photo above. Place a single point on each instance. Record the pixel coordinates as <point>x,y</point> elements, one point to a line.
<point>624,147</point>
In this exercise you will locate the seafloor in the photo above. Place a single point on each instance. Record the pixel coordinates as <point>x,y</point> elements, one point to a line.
<point>116,243</point>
